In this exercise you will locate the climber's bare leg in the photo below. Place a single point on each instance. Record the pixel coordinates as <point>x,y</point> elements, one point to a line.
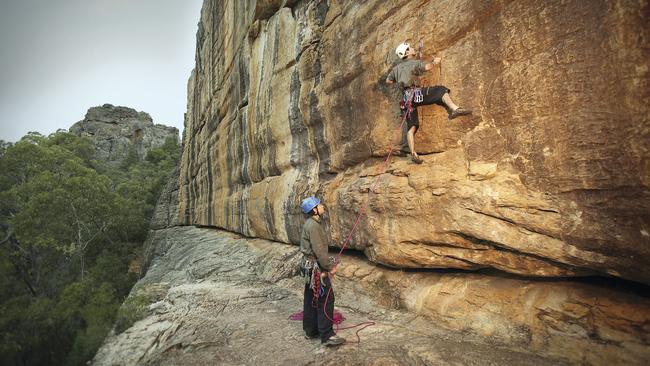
<point>449,103</point>
<point>410,138</point>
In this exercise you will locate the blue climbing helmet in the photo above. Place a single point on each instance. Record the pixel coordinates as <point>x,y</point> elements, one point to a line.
<point>309,203</point>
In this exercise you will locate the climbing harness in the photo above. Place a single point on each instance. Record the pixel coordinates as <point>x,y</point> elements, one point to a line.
<point>414,94</point>
<point>408,108</point>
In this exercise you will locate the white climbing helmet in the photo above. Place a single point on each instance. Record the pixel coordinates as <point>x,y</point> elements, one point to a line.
<point>401,49</point>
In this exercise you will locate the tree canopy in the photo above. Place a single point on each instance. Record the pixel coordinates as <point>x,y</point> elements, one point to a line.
<point>69,228</point>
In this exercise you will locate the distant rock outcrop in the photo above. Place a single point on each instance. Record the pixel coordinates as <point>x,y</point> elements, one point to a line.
<point>116,131</point>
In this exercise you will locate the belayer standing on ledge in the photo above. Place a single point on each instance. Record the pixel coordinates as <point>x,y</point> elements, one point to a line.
<point>406,75</point>
<point>317,269</point>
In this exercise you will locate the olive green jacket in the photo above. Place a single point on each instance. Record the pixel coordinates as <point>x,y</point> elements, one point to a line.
<point>313,243</point>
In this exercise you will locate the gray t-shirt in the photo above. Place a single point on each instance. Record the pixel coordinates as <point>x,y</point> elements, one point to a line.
<point>406,72</point>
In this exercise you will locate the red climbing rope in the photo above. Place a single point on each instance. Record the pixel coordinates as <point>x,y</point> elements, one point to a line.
<point>378,176</point>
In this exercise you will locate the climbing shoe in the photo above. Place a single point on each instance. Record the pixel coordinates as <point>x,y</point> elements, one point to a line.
<point>334,341</point>
<point>459,112</point>
<point>416,159</point>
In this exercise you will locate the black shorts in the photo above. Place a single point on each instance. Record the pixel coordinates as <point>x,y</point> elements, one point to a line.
<point>430,95</point>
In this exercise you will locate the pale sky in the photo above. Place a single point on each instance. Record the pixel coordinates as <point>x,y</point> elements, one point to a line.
<point>60,57</point>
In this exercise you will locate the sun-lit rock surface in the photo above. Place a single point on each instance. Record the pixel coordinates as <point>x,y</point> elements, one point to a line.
<point>549,177</point>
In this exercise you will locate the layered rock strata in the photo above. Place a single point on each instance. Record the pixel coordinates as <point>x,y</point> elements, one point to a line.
<point>118,132</point>
<point>549,177</point>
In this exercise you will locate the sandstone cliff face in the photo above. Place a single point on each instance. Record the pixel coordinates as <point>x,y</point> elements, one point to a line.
<point>547,180</point>
<point>549,177</point>
<point>117,130</point>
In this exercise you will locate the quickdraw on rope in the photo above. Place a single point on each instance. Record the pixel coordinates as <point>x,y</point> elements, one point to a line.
<point>406,112</point>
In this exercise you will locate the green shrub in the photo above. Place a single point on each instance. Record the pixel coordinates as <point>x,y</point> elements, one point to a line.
<point>134,308</point>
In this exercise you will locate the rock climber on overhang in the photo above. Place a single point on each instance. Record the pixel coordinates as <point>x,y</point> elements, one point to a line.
<point>406,75</point>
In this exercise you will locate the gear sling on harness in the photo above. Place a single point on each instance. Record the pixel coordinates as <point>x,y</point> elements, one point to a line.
<point>412,94</point>
<point>311,273</point>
